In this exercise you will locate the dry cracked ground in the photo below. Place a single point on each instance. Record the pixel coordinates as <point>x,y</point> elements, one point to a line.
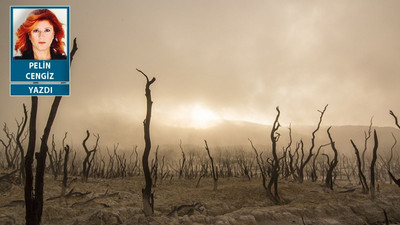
<point>237,201</point>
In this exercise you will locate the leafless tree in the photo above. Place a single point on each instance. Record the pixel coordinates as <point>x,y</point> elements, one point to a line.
<point>21,136</point>
<point>10,152</point>
<point>34,197</point>
<point>367,136</point>
<point>314,176</point>
<point>65,177</point>
<point>87,162</point>
<point>396,122</point>
<point>261,166</point>
<point>214,170</point>
<point>361,175</point>
<point>182,163</point>
<point>331,164</point>
<point>56,157</point>
<point>154,168</point>
<point>272,187</point>
<point>147,195</point>
<point>310,154</point>
<point>374,158</point>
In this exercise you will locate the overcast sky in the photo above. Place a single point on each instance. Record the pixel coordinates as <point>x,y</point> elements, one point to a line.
<point>223,60</point>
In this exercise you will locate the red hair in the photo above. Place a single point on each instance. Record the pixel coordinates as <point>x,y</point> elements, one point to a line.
<point>23,43</point>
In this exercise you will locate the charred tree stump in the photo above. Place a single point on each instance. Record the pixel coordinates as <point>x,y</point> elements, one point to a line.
<point>147,195</point>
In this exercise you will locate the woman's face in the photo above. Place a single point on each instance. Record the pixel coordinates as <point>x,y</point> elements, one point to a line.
<point>42,36</point>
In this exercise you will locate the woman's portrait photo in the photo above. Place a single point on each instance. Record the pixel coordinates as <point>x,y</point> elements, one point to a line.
<point>39,34</point>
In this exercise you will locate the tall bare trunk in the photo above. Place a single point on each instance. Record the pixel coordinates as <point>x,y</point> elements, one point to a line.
<point>147,196</point>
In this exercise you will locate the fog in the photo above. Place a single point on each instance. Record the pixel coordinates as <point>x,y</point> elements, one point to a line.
<point>231,60</point>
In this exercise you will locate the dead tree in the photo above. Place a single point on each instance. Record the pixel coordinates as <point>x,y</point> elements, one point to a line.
<point>367,136</point>
<point>87,162</point>
<point>132,169</point>
<point>286,171</point>
<point>18,140</point>
<point>56,158</point>
<point>182,164</point>
<point>214,170</point>
<point>272,188</point>
<point>65,177</point>
<point>374,157</point>
<point>314,176</point>
<point>361,175</point>
<point>34,196</point>
<point>11,156</point>
<point>310,154</point>
<point>332,164</point>
<point>154,168</point>
<point>147,195</point>
<point>396,122</point>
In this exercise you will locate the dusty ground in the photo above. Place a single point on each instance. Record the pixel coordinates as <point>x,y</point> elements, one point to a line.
<point>237,201</point>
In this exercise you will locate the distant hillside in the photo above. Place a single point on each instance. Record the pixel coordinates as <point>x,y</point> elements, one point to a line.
<point>227,133</point>
<point>231,133</point>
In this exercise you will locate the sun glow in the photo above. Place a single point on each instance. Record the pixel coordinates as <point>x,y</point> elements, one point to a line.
<point>202,117</point>
<point>194,116</point>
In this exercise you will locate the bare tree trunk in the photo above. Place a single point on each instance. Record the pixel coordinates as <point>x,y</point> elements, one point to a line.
<point>314,176</point>
<point>34,197</point>
<point>21,128</point>
<point>272,187</point>
<point>374,157</point>
<point>65,178</point>
<point>182,165</point>
<point>214,170</point>
<point>147,195</point>
<point>87,162</point>
<point>31,216</point>
<point>367,136</point>
<point>361,176</point>
<point>332,165</point>
<point>310,154</point>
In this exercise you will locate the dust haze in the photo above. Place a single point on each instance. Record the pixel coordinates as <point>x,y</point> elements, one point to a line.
<point>233,61</point>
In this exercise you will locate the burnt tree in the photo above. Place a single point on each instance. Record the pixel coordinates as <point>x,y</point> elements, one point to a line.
<point>367,136</point>
<point>314,176</point>
<point>87,162</point>
<point>372,168</point>
<point>181,164</point>
<point>11,156</point>
<point>20,131</point>
<point>147,195</point>
<point>361,175</point>
<point>310,151</point>
<point>65,176</point>
<point>34,196</point>
<point>260,166</point>
<point>272,187</point>
<point>396,122</point>
<point>332,164</point>
<point>214,169</point>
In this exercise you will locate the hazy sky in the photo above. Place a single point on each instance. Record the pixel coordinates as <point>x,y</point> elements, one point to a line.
<point>223,60</point>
